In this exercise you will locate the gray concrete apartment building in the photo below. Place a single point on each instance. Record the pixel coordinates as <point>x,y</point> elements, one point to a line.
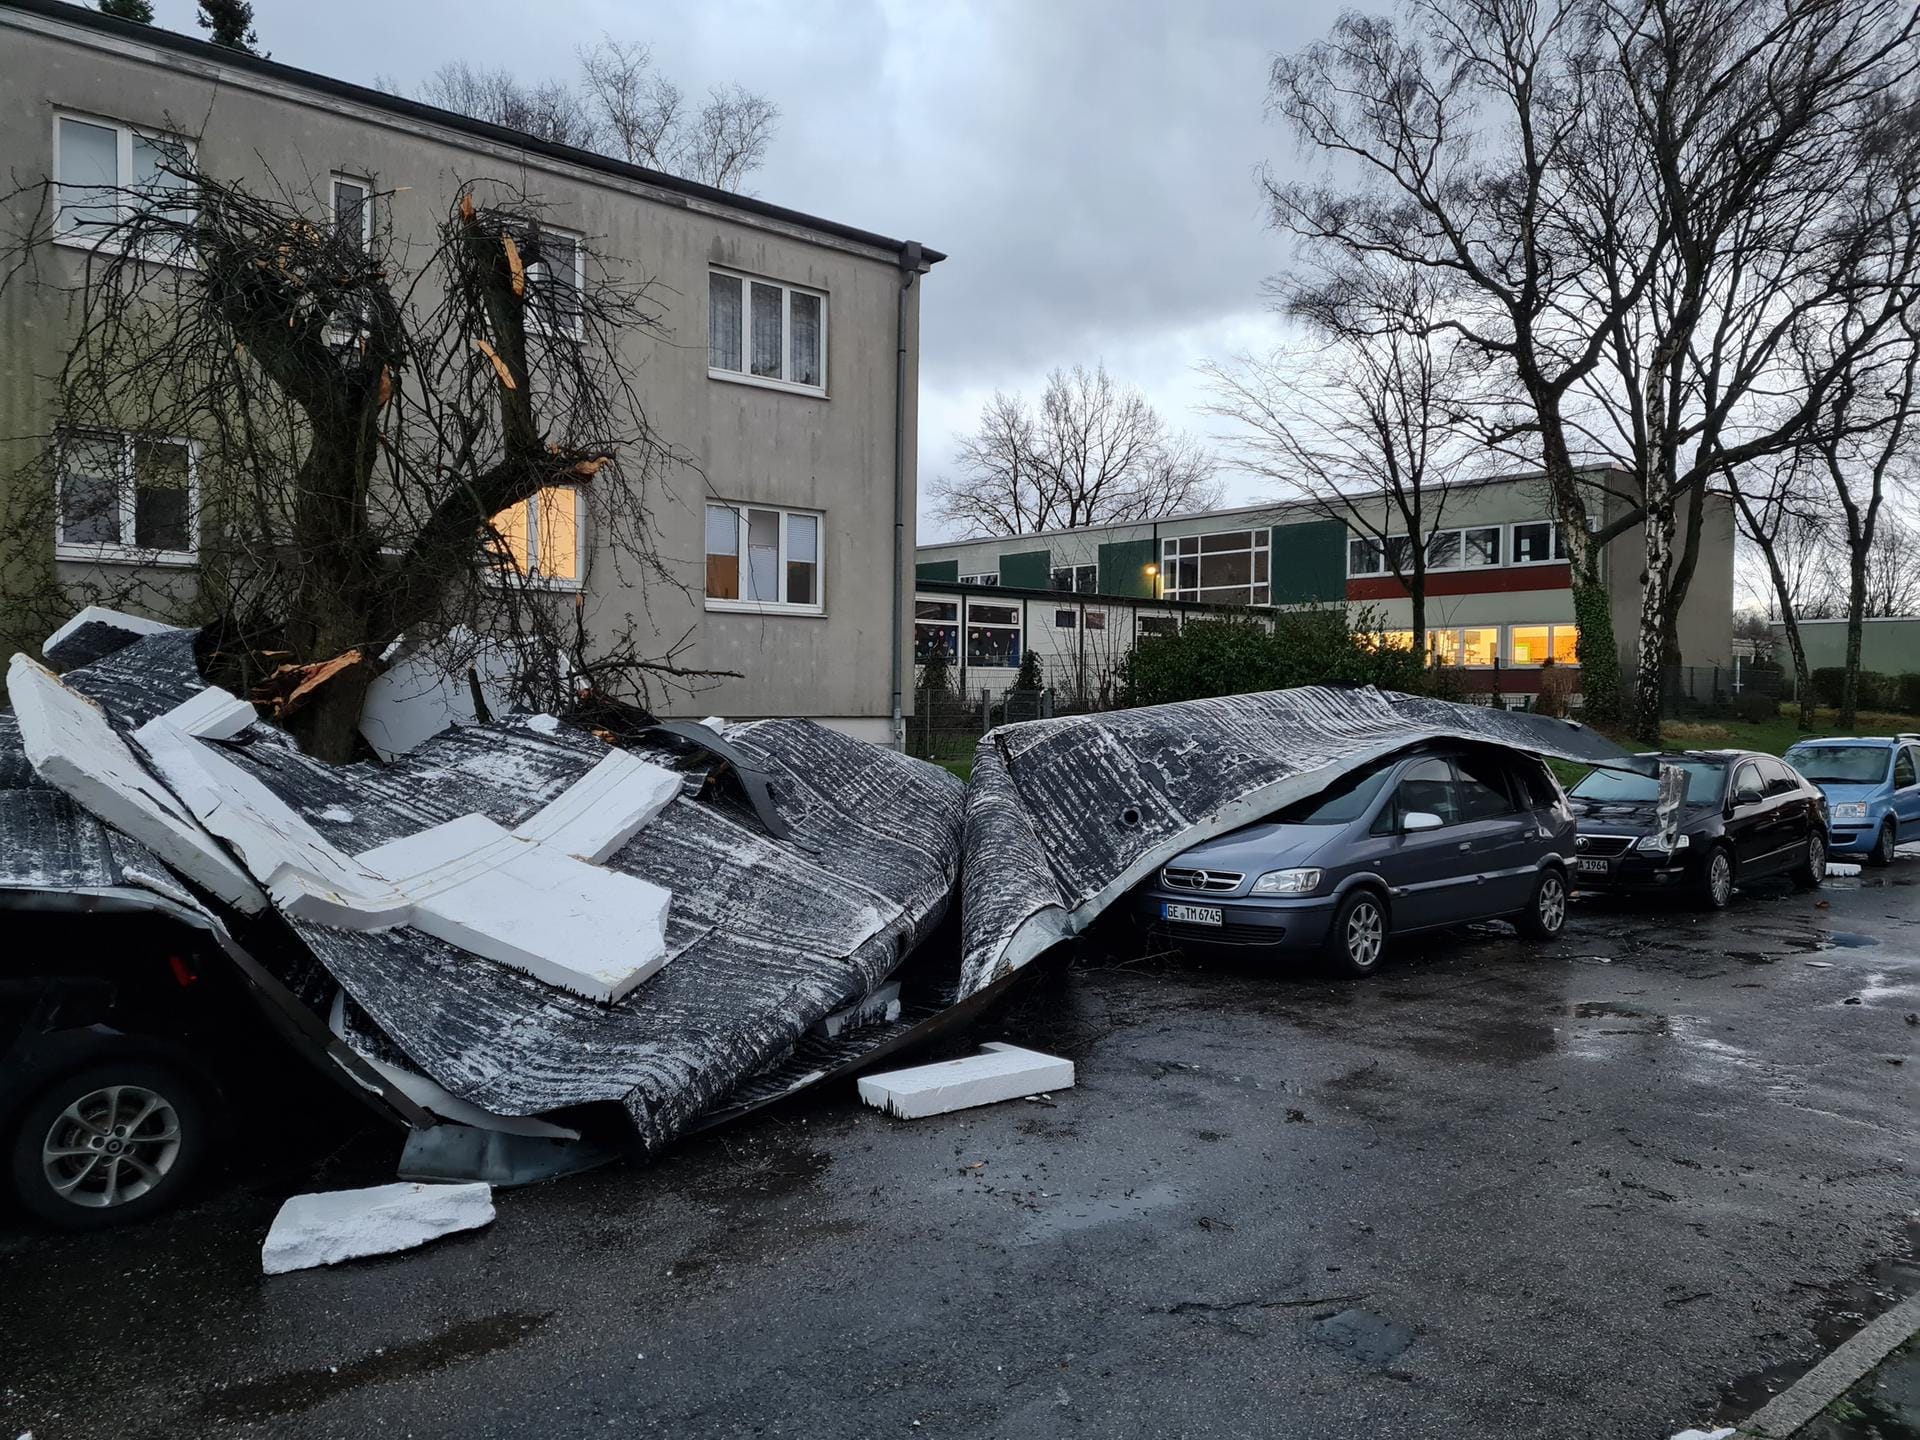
<point>799,508</point>
<point>1499,596</point>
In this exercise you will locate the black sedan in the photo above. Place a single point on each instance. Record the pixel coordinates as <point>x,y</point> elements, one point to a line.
<point>1743,816</point>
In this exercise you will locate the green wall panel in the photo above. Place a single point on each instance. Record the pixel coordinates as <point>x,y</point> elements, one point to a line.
<point>1030,570</point>
<point>1123,568</point>
<point>947,570</point>
<point>1309,562</point>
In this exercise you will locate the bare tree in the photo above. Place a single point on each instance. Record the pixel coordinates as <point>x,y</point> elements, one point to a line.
<point>621,106</point>
<point>1366,427</point>
<point>1092,453</point>
<point>1783,523</point>
<point>360,452</point>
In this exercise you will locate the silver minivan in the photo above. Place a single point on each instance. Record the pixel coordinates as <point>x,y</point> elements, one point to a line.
<point>1442,834</point>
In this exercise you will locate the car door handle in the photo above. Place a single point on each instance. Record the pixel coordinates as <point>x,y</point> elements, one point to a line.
<point>1466,845</point>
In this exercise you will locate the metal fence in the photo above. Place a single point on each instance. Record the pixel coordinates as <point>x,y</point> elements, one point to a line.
<point>1740,690</point>
<point>946,725</point>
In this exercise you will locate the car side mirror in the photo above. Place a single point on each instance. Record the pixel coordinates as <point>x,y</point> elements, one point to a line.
<point>1420,820</point>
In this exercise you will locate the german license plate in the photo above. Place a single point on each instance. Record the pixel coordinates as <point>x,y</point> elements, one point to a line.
<point>1191,914</point>
<point>1591,867</point>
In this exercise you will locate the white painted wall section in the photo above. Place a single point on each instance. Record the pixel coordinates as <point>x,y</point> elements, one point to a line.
<point>999,1072</point>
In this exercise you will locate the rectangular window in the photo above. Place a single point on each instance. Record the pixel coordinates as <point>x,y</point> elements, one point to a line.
<point>993,635</point>
<point>353,210</point>
<point>1480,645</point>
<point>106,172</point>
<point>991,577</point>
<point>1482,544</point>
<point>764,558</point>
<point>1066,619</point>
<point>540,537</point>
<point>936,630</point>
<point>1366,556</point>
<point>1443,550</point>
<point>766,331</point>
<point>1096,619</point>
<point>1537,542</point>
<point>126,498</point>
<point>1080,579</point>
<point>1159,625</point>
<point>556,279</point>
<point>1228,567</point>
<point>1443,647</point>
<point>1531,644</point>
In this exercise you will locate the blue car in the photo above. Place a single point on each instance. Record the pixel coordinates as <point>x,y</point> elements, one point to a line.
<point>1872,785</point>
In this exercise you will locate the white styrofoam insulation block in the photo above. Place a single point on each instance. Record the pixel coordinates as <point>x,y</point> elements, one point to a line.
<point>105,615</point>
<point>999,1072</point>
<point>1840,868</point>
<point>212,714</point>
<point>336,1225</point>
<point>594,931</point>
<point>72,747</point>
<point>604,808</point>
<point>416,696</point>
<point>882,1004</point>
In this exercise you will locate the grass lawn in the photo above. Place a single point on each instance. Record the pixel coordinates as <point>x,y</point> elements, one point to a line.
<point>1774,736</point>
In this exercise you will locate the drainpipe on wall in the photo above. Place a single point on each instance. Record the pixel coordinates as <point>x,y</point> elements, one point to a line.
<point>910,265</point>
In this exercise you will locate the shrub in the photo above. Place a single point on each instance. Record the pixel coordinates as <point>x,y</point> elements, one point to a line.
<point>1233,656</point>
<point>1029,676</point>
<point>1873,692</point>
<point>1908,696</point>
<point>1755,705</point>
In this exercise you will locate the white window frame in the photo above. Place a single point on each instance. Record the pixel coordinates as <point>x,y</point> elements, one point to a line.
<point>1384,546</point>
<point>365,186</point>
<point>782,606</point>
<point>124,134</point>
<point>787,292</point>
<point>1074,572</point>
<point>1259,542</point>
<point>1554,557</point>
<point>536,580</point>
<point>1463,563</point>
<point>1552,627</point>
<point>987,577</point>
<point>124,552</point>
<point>537,315</point>
<point>968,625</point>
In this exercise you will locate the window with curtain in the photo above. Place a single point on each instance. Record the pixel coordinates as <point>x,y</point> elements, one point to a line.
<point>540,537</point>
<point>765,331</point>
<point>762,557</point>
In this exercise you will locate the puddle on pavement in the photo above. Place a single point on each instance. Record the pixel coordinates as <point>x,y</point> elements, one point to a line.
<point>300,1390</point>
<point>1070,1216</point>
<point>1841,1311</point>
<point>1366,1337</point>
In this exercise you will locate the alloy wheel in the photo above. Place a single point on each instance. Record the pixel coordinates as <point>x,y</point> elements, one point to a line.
<point>111,1146</point>
<point>1720,877</point>
<point>1365,935</point>
<point>1552,904</point>
<point>1816,858</point>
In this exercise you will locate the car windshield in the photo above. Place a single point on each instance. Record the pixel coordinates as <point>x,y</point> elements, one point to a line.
<point>1627,787</point>
<point>1840,764</point>
<point>1346,799</point>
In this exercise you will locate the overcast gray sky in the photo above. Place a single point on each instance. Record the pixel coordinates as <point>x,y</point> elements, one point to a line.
<point>1088,165</point>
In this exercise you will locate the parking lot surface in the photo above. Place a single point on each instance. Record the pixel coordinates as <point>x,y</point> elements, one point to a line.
<point>1616,1185</point>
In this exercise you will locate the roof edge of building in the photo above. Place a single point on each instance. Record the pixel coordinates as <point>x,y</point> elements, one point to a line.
<point>206,52</point>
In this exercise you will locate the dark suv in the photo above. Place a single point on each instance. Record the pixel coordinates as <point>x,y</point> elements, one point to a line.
<point>1440,835</point>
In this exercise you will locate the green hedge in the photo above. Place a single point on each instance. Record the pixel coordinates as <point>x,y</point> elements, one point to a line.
<point>1231,656</point>
<point>1876,691</point>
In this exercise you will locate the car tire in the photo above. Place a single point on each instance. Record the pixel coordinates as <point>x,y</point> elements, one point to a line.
<point>1715,886</point>
<point>62,1157</point>
<point>1546,916</point>
<point>1810,872</point>
<point>1884,844</point>
<point>1357,939</point>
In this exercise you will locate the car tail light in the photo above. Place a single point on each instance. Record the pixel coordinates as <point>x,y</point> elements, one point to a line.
<point>184,975</point>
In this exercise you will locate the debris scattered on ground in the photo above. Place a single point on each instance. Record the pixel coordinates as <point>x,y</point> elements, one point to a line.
<point>1842,869</point>
<point>337,1225</point>
<point>1725,1432</point>
<point>1819,964</point>
<point>999,1072</point>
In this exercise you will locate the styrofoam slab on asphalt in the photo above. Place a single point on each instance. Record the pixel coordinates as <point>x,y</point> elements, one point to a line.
<point>999,1072</point>
<point>336,1225</point>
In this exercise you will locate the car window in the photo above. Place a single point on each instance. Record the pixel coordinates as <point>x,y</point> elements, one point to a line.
<point>1840,764</point>
<point>1630,787</point>
<point>1346,799</point>
<point>1778,778</point>
<point>1481,787</point>
<point>1903,768</point>
<point>1747,785</point>
<point>1536,783</point>
<point>1425,787</point>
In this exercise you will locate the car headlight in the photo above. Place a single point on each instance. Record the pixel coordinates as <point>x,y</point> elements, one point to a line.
<point>1655,842</point>
<point>1287,882</point>
<point>1850,810</point>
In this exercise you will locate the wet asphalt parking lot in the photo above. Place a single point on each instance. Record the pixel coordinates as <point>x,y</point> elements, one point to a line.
<point>1612,1186</point>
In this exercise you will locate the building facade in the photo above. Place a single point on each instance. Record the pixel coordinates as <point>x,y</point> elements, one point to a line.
<point>787,372</point>
<point>1498,588</point>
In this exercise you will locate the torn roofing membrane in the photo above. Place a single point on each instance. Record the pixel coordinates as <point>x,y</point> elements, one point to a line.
<point>1064,816</point>
<point>762,939</point>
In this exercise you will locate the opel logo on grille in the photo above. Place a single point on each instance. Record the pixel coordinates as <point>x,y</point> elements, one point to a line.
<point>1202,879</point>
